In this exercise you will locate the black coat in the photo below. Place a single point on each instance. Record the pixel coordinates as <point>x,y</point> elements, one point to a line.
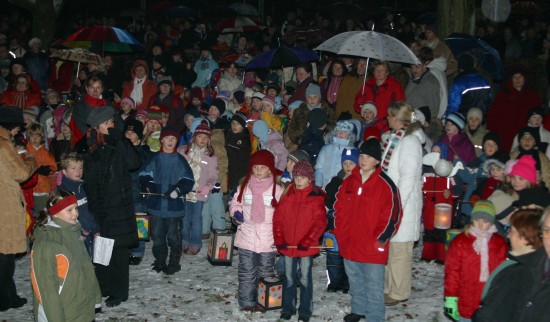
<point>238,149</point>
<point>109,189</point>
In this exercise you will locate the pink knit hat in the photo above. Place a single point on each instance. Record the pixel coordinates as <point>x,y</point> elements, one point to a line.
<point>303,168</point>
<point>526,167</point>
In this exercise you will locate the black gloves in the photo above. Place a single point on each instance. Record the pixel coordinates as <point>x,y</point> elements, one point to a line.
<point>216,188</point>
<point>44,170</point>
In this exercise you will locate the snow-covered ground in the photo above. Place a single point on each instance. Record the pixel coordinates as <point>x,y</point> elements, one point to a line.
<point>202,292</point>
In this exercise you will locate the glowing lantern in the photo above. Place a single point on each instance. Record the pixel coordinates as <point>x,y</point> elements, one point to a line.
<point>220,248</point>
<point>270,293</point>
<point>143,223</point>
<point>442,216</point>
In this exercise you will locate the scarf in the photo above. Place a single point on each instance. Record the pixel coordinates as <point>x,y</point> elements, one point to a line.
<point>333,87</point>
<point>390,145</point>
<point>94,102</point>
<point>195,157</point>
<point>258,187</point>
<point>20,99</point>
<point>137,92</point>
<point>481,247</point>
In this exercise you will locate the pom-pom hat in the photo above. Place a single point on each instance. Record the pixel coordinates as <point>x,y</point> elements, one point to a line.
<point>266,158</point>
<point>304,169</point>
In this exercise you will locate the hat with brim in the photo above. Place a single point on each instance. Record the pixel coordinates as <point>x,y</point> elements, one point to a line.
<point>100,114</point>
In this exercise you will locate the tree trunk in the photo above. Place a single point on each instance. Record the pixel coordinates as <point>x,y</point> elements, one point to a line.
<point>455,16</point>
<point>44,15</point>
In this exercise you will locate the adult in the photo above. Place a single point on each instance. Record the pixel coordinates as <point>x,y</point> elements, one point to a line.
<point>38,64</point>
<point>140,89</point>
<point>352,82</point>
<point>204,66</point>
<point>18,66</point>
<point>331,85</point>
<point>304,77</point>
<point>441,49</point>
<point>166,97</point>
<point>511,107</point>
<point>81,110</point>
<point>109,191</point>
<point>382,89</point>
<point>21,95</point>
<point>402,162</point>
<point>229,80</point>
<point>14,169</point>
<point>423,88</point>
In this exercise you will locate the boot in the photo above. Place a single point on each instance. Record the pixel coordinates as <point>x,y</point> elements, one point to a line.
<point>159,266</point>
<point>173,264</point>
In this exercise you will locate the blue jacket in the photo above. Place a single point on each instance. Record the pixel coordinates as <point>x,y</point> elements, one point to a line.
<point>85,217</point>
<point>469,90</point>
<point>167,171</point>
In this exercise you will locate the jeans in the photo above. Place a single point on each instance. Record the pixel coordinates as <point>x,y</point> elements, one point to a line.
<point>252,266</point>
<point>191,232</point>
<point>366,286</point>
<point>166,232</point>
<point>213,213</point>
<point>337,278</point>
<point>306,288</point>
<point>461,319</point>
<point>139,251</point>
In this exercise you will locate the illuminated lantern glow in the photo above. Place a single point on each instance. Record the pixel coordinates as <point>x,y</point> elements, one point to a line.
<point>220,248</point>
<point>270,293</point>
<point>442,216</point>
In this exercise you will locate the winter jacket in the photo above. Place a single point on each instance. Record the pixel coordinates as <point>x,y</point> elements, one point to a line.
<point>276,146</point>
<point>424,91</point>
<point>228,82</point>
<point>63,278</point>
<point>13,170</point>
<point>366,214</point>
<point>467,91</point>
<point>477,138</point>
<point>328,163</point>
<point>109,189</point>
<point>149,88</point>
<point>204,67</point>
<point>459,146</point>
<point>43,158</point>
<point>60,146</point>
<point>85,217</point>
<point>462,269</point>
<point>251,236</point>
<point>238,150</point>
<point>390,91</point>
<point>209,172</point>
<point>312,143</point>
<point>405,170</point>
<point>218,144</point>
<point>300,219</point>
<point>437,67</point>
<point>298,125</point>
<point>168,171</point>
<point>32,98</point>
<point>175,110</point>
<point>300,90</point>
<point>346,95</point>
<point>544,137</point>
<point>509,112</point>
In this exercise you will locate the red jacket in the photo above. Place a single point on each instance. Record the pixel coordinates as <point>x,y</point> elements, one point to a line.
<point>462,267</point>
<point>366,214</point>
<point>32,99</point>
<point>300,219</point>
<point>149,88</point>
<point>382,96</point>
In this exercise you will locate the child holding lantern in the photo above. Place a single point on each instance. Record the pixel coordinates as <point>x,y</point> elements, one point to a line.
<point>299,220</point>
<point>252,209</point>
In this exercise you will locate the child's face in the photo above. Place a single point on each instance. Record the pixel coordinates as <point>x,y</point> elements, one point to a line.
<point>213,113</point>
<point>201,140</point>
<point>257,104</point>
<point>497,172</point>
<point>260,171</point>
<point>132,136</point>
<point>189,120</point>
<point>301,182</point>
<point>450,128</point>
<point>73,171</point>
<point>247,100</point>
<point>473,123</point>
<point>266,107</point>
<point>53,99</point>
<point>519,183</point>
<point>290,165</point>
<point>342,134</point>
<point>169,143</point>
<point>28,121</point>
<point>236,127</point>
<point>313,100</point>
<point>436,148</point>
<point>272,92</point>
<point>196,101</point>
<point>104,127</point>
<point>490,147</point>
<point>153,126</point>
<point>367,163</point>
<point>35,140</point>
<point>65,129</point>
<point>164,119</point>
<point>368,115</point>
<point>527,142</point>
<point>481,224</point>
<point>348,166</point>
<point>69,214</point>
<point>535,120</point>
<point>126,107</point>
<point>140,118</point>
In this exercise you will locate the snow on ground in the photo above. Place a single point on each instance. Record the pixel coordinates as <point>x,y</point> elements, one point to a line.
<point>202,292</point>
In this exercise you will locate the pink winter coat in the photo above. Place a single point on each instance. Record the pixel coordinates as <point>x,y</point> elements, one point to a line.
<point>250,236</point>
<point>209,172</point>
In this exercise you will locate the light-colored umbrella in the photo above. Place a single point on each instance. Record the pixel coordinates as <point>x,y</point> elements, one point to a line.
<point>238,24</point>
<point>80,56</point>
<point>244,9</point>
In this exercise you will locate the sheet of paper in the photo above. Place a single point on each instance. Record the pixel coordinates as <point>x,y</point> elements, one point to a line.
<point>103,250</point>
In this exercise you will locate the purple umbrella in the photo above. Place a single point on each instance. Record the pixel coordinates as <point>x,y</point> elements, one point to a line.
<point>283,56</point>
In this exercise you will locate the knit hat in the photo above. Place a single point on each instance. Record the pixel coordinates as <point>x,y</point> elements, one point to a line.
<point>219,104</point>
<point>526,167</point>
<point>533,131</point>
<point>457,119</point>
<point>491,136</point>
<point>371,147</point>
<point>241,118</point>
<point>317,118</point>
<point>248,92</point>
<point>31,111</point>
<point>294,105</point>
<point>351,154</point>
<point>369,106</point>
<point>298,155</point>
<point>239,96</point>
<point>509,165</point>
<point>202,128</point>
<point>11,115</point>
<point>164,80</point>
<point>18,61</point>
<point>492,162</point>
<point>269,100</point>
<point>261,157</point>
<point>475,112</point>
<point>484,209</point>
<point>261,130</point>
<point>258,95</point>
<point>343,126</point>
<point>196,92</point>
<point>535,111</point>
<point>313,90</point>
<point>432,28</point>
<point>130,101</point>
<point>273,86</point>
<point>99,115</point>
<point>303,168</point>
<point>169,132</point>
<point>134,126</point>
<point>142,113</point>
<point>155,112</point>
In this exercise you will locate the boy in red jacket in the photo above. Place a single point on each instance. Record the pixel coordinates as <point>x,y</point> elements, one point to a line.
<point>299,220</point>
<point>367,214</point>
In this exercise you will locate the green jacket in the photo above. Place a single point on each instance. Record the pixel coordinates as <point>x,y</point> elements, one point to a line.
<point>63,279</point>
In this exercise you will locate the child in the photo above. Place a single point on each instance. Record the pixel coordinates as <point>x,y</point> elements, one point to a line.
<point>299,220</point>
<point>455,143</point>
<point>215,112</point>
<point>237,144</point>
<point>72,165</point>
<point>272,141</point>
<point>534,121</point>
<point>127,108</point>
<point>153,126</point>
<point>252,209</point>
<point>204,165</point>
<point>61,144</point>
<point>46,165</point>
<point>327,165</point>
<point>530,144</point>
<point>273,121</point>
<point>495,169</point>
<point>292,159</point>
<point>63,280</point>
<point>367,214</point>
<point>168,178</point>
<point>471,257</point>
<point>314,138</point>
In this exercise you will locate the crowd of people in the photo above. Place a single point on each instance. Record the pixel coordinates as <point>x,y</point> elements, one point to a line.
<point>363,151</point>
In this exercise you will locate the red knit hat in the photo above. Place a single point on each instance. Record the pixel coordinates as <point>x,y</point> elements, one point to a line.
<point>261,157</point>
<point>304,169</point>
<point>203,128</point>
<point>169,132</point>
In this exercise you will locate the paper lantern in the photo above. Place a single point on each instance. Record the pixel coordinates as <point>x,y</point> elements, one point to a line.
<point>270,293</point>
<point>220,248</point>
<point>143,223</point>
<point>329,240</point>
<point>450,235</point>
<point>443,216</point>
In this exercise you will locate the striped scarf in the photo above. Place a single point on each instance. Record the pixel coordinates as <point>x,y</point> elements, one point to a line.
<point>392,141</point>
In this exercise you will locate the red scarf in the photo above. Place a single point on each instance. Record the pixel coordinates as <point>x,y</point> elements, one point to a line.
<point>91,101</point>
<point>94,102</point>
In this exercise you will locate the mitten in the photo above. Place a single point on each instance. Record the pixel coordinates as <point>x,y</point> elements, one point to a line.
<point>216,188</point>
<point>173,193</point>
<point>285,178</point>
<point>147,184</point>
<point>44,170</point>
<point>283,246</point>
<point>238,218</point>
<point>451,307</point>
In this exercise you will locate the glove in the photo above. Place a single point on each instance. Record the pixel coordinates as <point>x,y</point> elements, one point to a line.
<point>173,193</point>
<point>238,218</point>
<point>147,184</point>
<point>302,247</point>
<point>216,188</point>
<point>285,178</point>
<point>283,246</point>
<point>44,170</point>
<point>451,307</point>
<point>115,134</point>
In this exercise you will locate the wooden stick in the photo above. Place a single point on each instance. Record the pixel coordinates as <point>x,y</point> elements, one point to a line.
<point>151,194</point>
<point>319,247</point>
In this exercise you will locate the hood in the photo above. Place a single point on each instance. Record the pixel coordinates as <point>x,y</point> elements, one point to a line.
<point>137,63</point>
<point>420,135</point>
<point>439,64</point>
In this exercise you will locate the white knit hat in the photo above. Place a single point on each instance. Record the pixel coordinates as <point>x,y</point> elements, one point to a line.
<point>369,106</point>
<point>475,112</point>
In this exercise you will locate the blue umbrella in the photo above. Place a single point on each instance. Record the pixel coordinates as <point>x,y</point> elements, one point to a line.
<point>283,56</point>
<point>489,58</point>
